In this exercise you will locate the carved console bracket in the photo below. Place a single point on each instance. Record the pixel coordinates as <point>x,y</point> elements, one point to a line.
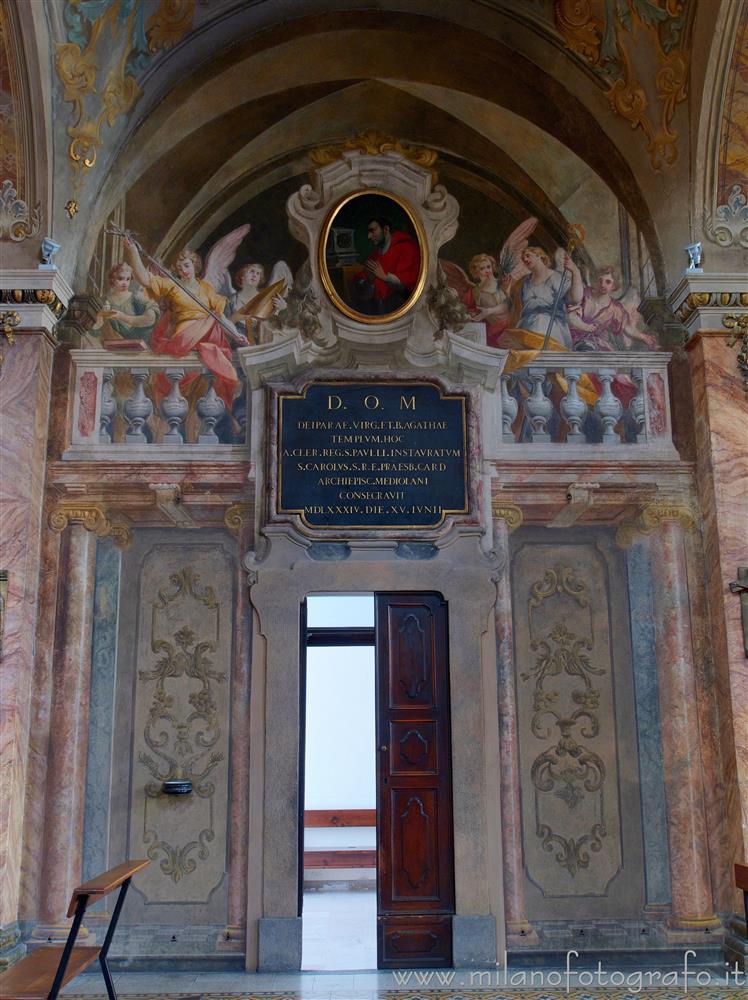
<point>650,517</point>
<point>579,498</point>
<point>94,518</point>
<point>740,586</point>
<point>169,501</point>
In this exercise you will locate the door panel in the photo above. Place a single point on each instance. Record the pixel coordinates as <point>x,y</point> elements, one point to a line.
<point>414,783</point>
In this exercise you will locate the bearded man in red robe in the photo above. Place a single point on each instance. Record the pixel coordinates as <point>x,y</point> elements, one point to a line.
<point>391,271</point>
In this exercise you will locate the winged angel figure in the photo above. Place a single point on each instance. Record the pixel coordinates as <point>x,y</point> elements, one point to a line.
<point>487,295</point>
<point>194,317</point>
<point>250,297</point>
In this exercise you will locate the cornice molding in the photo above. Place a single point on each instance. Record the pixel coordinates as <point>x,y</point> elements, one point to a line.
<point>701,301</point>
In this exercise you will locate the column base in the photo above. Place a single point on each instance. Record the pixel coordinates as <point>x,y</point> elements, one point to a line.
<point>57,932</point>
<point>736,943</point>
<point>11,946</point>
<point>473,941</point>
<point>684,930</point>
<point>279,944</point>
<point>521,934</point>
<point>232,938</point>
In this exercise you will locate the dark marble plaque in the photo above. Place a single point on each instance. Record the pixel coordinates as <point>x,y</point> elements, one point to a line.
<point>372,455</point>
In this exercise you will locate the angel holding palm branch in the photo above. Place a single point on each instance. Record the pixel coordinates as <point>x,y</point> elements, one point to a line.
<point>487,296</point>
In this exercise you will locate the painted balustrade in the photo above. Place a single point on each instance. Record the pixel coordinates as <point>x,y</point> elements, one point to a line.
<point>122,404</point>
<point>586,400</point>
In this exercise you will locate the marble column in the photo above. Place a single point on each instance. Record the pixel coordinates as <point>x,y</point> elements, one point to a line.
<point>238,519</point>
<point>25,377</point>
<point>721,408</point>
<point>68,739</point>
<point>692,906</point>
<point>519,930</point>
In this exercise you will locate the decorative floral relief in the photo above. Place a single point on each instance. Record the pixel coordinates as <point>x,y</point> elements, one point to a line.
<point>182,741</point>
<point>18,221</point>
<point>569,770</point>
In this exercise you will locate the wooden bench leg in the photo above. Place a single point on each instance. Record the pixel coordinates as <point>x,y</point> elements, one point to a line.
<point>108,940</point>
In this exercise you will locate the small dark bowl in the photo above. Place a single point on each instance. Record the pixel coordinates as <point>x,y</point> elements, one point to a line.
<point>176,787</point>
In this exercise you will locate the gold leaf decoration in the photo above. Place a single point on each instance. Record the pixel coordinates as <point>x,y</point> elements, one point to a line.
<point>169,23</point>
<point>374,143</point>
<point>117,55</point>
<point>605,36</point>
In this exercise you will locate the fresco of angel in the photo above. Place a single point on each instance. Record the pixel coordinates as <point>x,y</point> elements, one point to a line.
<point>602,322</point>
<point>487,296</point>
<point>250,298</point>
<point>192,321</point>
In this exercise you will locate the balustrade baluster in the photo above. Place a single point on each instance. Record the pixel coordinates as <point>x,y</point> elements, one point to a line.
<point>210,408</point>
<point>538,406</point>
<point>573,407</point>
<point>608,407</point>
<point>108,406</point>
<point>509,409</point>
<point>636,406</point>
<point>138,408</point>
<point>174,407</point>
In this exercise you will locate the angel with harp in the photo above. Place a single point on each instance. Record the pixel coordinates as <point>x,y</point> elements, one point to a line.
<point>250,298</point>
<point>487,296</point>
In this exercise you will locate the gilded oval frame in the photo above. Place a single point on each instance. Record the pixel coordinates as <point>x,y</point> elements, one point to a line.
<point>329,286</point>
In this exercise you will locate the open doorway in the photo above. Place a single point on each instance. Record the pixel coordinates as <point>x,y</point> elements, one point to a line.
<point>338,900</point>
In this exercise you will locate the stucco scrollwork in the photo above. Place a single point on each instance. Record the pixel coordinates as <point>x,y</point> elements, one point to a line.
<point>374,143</point>
<point>181,732</point>
<point>18,220</point>
<point>738,322</point>
<point>569,770</point>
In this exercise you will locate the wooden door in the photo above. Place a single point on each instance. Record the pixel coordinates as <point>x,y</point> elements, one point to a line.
<point>415,858</point>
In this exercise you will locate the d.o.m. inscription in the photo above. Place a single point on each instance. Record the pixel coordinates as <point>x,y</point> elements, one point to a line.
<point>372,455</point>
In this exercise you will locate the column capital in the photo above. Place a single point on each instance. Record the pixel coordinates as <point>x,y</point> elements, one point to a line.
<point>39,295</point>
<point>509,512</point>
<point>94,517</point>
<point>651,516</point>
<point>701,301</point>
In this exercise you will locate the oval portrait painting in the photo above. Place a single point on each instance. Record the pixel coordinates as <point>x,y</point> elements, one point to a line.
<point>372,256</point>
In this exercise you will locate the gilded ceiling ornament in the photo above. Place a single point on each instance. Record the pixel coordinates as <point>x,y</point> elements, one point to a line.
<point>18,221</point>
<point>373,143</point>
<point>606,36</point>
<point>115,56</point>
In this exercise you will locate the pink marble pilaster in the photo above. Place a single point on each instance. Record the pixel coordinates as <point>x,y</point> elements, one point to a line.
<point>692,904</point>
<point>24,409</point>
<point>517,925</point>
<point>68,737</point>
<point>721,418</point>
<point>240,690</point>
